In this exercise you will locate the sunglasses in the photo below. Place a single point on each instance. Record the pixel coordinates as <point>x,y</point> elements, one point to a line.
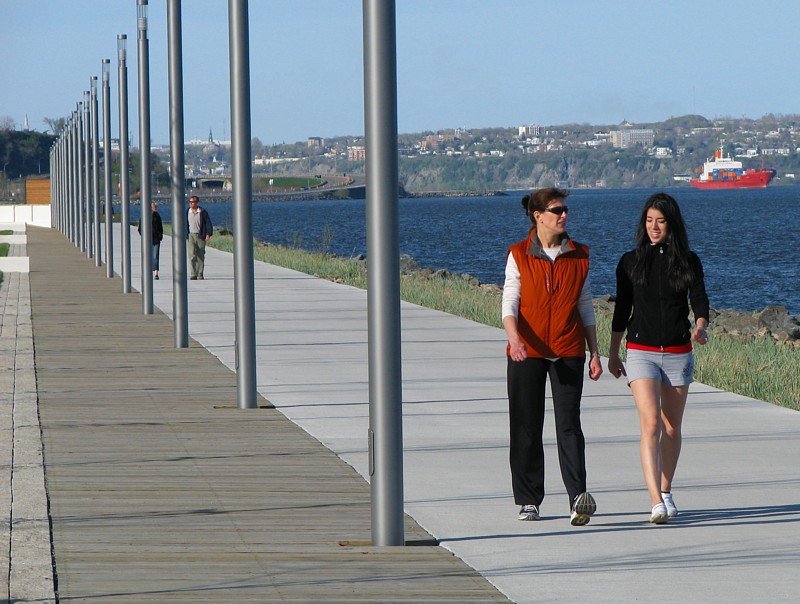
<point>558,210</point>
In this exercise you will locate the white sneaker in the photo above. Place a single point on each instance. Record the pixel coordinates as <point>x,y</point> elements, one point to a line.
<point>529,512</point>
<point>658,515</point>
<point>669,503</point>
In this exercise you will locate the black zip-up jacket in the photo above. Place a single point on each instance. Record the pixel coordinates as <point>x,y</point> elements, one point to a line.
<point>656,314</point>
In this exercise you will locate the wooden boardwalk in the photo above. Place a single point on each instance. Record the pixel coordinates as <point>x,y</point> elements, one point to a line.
<point>161,490</point>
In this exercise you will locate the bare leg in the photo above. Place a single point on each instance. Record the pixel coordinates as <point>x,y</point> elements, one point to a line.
<point>673,404</point>
<point>646,393</point>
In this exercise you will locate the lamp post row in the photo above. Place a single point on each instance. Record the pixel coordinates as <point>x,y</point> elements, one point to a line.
<point>76,212</point>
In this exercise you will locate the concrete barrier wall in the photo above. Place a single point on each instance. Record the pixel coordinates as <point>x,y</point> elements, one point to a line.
<point>16,218</point>
<point>38,215</point>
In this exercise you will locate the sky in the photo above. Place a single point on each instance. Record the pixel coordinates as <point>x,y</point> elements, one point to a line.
<point>460,63</point>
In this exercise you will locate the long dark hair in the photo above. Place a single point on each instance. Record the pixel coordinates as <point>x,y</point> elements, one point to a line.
<point>676,248</point>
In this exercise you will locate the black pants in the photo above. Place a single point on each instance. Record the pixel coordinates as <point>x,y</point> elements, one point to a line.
<point>526,399</point>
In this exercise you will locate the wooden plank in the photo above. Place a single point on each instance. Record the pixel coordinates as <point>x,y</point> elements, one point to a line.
<point>161,490</point>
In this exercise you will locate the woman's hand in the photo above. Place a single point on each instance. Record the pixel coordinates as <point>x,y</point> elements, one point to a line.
<point>517,351</point>
<point>615,367</point>
<point>700,336</point>
<point>595,367</point>
<point>516,347</point>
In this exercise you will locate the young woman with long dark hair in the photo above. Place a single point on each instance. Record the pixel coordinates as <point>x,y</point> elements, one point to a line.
<point>656,283</point>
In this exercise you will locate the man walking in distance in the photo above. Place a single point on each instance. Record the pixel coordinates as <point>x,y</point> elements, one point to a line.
<point>200,230</point>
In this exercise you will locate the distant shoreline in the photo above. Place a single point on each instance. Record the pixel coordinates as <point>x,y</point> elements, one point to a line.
<point>426,194</point>
<point>207,197</point>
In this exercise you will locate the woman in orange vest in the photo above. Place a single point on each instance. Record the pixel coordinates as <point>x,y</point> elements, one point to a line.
<point>549,320</point>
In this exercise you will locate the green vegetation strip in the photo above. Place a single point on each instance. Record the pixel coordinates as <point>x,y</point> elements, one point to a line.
<point>758,368</point>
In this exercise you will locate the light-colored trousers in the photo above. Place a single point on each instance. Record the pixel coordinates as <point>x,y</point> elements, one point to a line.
<point>197,254</point>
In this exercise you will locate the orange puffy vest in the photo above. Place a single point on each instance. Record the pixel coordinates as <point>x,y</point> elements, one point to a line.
<point>548,321</point>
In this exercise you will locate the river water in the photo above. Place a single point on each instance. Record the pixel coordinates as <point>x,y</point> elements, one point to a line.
<point>747,239</point>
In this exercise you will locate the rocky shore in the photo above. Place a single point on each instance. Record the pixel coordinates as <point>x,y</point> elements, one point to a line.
<point>404,193</point>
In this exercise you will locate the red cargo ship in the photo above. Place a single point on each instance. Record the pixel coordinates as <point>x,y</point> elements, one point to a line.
<point>726,173</point>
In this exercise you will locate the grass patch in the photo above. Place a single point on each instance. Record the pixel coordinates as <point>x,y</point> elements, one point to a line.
<point>7,232</point>
<point>453,295</point>
<point>757,367</point>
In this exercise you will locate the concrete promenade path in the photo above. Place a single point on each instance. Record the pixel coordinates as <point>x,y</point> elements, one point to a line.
<point>160,490</point>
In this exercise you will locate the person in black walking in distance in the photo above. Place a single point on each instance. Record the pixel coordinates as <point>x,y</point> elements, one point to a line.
<point>549,320</point>
<point>158,235</point>
<point>200,230</point>
<point>655,284</point>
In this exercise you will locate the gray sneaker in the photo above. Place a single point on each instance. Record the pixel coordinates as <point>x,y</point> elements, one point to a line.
<point>529,512</point>
<point>669,503</point>
<point>583,507</point>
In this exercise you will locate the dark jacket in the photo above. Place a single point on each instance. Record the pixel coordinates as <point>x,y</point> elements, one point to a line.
<point>656,314</point>
<point>158,228</point>
<point>206,228</point>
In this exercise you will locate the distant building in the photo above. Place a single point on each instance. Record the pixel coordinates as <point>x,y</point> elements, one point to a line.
<point>357,153</point>
<point>631,137</point>
<point>269,161</point>
<point>771,151</point>
<point>196,142</point>
<point>315,142</point>
<point>529,130</point>
<point>434,142</point>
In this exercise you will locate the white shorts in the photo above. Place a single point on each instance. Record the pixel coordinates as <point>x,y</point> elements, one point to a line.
<point>667,367</point>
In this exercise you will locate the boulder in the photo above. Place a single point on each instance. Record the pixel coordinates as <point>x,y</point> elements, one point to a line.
<point>773,321</point>
<point>604,305</point>
<point>408,265</point>
<point>778,320</point>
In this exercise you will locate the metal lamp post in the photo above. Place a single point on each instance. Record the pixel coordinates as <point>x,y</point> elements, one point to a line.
<point>68,231</point>
<point>242,171</point>
<point>124,182</point>
<point>107,156</point>
<point>145,221</point>
<point>87,166</point>
<point>383,294</point>
<point>98,260</point>
<point>81,224</point>
<point>180,296</point>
